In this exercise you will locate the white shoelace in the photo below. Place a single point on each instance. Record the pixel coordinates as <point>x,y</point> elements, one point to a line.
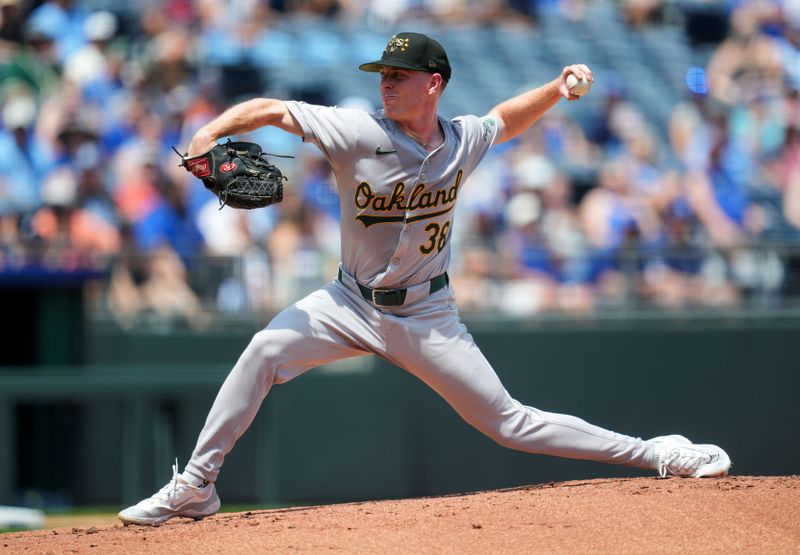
<point>166,492</point>
<point>682,462</point>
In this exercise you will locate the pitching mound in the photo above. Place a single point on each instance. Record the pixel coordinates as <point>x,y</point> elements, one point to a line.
<point>640,515</point>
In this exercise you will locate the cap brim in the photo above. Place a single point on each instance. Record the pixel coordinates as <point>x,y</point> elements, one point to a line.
<point>376,65</point>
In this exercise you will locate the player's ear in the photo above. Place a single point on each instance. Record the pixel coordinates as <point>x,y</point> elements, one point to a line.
<point>436,83</point>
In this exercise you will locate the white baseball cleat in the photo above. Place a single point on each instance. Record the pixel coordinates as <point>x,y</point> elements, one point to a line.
<point>177,499</point>
<point>677,456</point>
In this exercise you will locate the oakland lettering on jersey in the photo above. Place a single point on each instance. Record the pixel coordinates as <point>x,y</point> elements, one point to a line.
<point>417,199</point>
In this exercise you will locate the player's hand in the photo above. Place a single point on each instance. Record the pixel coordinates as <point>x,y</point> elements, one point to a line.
<point>201,143</point>
<point>578,70</point>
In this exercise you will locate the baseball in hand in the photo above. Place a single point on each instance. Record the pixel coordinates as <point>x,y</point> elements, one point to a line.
<point>578,87</point>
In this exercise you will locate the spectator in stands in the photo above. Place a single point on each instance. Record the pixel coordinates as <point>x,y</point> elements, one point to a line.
<point>620,227</point>
<point>531,276</point>
<point>153,289</point>
<point>23,162</point>
<point>32,65</point>
<point>789,175</point>
<point>563,141</point>
<point>64,21</point>
<point>642,12</point>
<point>12,19</point>
<point>475,277</point>
<point>561,228</point>
<point>167,292</point>
<point>718,190</point>
<point>318,186</point>
<point>789,41</point>
<point>748,62</point>
<point>90,63</point>
<point>170,222</point>
<point>299,249</point>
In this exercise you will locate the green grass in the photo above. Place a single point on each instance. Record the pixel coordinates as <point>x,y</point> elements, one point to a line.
<point>110,511</point>
<point>84,510</point>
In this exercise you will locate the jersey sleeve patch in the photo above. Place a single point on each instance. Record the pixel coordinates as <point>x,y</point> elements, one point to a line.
<point>489,127</point>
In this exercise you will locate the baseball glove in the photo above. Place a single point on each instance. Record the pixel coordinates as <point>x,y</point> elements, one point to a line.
<point>239,174</point>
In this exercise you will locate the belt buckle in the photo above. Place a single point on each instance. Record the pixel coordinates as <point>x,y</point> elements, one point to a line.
<point>378,291</point>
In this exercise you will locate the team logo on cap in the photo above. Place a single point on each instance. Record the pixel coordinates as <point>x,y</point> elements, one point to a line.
<point>396,44</point>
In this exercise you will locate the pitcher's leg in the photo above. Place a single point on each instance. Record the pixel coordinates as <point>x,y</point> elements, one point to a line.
<point>447,359</point>
<point>316,330</point>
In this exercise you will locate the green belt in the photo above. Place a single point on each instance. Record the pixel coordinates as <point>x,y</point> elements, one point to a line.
<point>396,297</point>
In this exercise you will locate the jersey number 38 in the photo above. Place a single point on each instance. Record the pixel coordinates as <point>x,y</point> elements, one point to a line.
<point>437,239</point>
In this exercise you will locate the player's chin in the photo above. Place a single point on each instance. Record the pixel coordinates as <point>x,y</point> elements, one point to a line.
<point>389,105</point>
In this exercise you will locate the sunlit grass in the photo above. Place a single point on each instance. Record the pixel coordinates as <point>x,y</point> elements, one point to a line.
<point>79,517</point>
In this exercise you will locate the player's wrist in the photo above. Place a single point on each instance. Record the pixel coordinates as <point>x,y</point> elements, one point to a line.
<point>202,142</point>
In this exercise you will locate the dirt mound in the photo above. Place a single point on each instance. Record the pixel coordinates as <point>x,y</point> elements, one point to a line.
<point>734,514</point>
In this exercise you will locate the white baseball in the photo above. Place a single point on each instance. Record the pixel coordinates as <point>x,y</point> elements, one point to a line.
<point>578,87</point>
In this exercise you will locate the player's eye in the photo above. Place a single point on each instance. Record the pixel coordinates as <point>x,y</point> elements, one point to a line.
<point>394,75</point>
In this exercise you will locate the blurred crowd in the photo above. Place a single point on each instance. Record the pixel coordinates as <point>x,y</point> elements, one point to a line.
<point>576,215</point>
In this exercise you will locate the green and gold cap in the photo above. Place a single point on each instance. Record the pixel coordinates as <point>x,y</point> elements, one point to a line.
<point>413,51</point>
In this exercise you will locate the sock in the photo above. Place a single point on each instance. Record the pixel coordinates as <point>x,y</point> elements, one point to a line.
<point>193,480</point>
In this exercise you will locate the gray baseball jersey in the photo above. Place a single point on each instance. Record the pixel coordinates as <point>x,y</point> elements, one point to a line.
<point>397,202</point>
<point>397,199</point>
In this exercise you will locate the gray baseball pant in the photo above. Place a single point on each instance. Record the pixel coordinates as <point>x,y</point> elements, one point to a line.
<point>428,340</point>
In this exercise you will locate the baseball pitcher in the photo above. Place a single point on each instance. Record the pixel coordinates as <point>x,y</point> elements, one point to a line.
<point>400,171</point>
